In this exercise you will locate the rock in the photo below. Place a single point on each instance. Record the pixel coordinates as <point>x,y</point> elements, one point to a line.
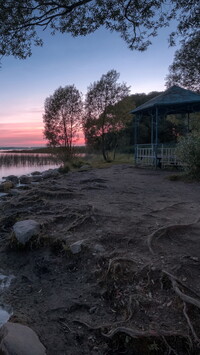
<point>25,230</point>
<point>6,186</point>
<point>12,178</point>
<point>3,194</point>
<point>36,173</point>
<point>98,248</point>
<point>24,179</point>
<point>37,178</point>
<point>14,192</point>
<point>17,339</point>
<point>50,173</point>
<point>76,247</point>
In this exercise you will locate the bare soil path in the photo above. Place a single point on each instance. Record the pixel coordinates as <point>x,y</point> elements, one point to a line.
<point>134,286</point>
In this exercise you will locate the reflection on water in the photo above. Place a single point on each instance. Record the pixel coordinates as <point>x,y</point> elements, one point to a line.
<point>23,163</point>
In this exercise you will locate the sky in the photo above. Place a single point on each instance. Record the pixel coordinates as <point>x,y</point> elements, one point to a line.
<point>65,60</point>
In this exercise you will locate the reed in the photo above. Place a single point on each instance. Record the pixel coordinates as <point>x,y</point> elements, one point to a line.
<point>12,159</point>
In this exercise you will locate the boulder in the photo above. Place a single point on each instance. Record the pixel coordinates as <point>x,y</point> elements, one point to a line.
<point>14,192</point>
<point>51,173</point>
<point>25,230</point>
<point>12,178</point>
<point>36,173</point>
<point>17,339</point>
<point>6,186</point>
<point>37,178</point>
<point>24,179</point>
<point>3,194</point>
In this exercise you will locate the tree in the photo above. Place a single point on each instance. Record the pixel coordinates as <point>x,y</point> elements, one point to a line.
<point>63,117</point>
<point>137,21</point>
<point>185,69</point>
<point>100,97</point>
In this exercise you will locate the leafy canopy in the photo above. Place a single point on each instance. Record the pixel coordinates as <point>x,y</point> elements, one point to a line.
<point>63,116</point>
<point>101,96</point>
<point>185,69</point>
<point>137,21</point>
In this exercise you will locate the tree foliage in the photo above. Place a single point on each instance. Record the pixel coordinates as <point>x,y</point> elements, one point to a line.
<point>188,151</point>
<point>62,117</point>
<point>185,69</point>
<point>137,21</point>
<point>99,121</point>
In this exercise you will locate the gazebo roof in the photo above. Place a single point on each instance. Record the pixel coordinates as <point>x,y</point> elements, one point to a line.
<point>173,100</point>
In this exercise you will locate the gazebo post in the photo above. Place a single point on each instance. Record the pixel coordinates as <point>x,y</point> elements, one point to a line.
<point>156,137</point>
<point>136,126</point>
<point>152,129</point>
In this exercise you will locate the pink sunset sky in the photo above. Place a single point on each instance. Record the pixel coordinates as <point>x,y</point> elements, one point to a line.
<point>64,60</point>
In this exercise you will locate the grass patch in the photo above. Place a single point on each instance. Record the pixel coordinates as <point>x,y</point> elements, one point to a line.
<point>97,161</point>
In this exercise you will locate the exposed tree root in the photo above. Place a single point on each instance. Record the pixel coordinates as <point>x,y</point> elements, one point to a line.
<point>129,309</point>
<point>170,349</point>
<point>134,333</point>
<point>196,338</point>
<point>96,327</point>
<point>77,222</point>
<point>180,282</point>
<point>186,299</point>
<point>163,230</point>
<point>183,296</point>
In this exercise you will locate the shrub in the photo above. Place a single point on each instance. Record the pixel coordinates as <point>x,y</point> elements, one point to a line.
<point>64,169</point>
<point>188,151</point>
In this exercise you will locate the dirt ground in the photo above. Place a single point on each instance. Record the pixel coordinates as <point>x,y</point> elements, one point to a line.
<point>134,285</point>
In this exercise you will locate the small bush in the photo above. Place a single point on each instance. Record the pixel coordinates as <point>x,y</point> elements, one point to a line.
<point>64,169</point>
<point>77,163</point>
<point>188,151</point>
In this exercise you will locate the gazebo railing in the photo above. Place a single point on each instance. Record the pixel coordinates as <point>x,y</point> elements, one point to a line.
<point>160,155</point>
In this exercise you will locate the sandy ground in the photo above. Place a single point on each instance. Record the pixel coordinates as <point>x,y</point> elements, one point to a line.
<point>134,285</point>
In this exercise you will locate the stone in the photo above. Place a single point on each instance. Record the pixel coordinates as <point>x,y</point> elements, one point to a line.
<point>14,192</point>
<point>12,178</point>
<point>51,173</point>
<point>24,179</point>
<point>3,194</point>
<point>25,230</point>
<point>7,185</point>
<point>76,247</point>
<point>36,173</point>
<point>98,248</point>
<point>18,339</point>
<point>37,178</point>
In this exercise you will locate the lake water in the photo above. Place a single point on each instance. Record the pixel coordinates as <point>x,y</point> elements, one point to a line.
<point>24,164</point>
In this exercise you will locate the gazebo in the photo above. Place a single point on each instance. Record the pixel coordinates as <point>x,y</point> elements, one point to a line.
<point>174,100</point>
